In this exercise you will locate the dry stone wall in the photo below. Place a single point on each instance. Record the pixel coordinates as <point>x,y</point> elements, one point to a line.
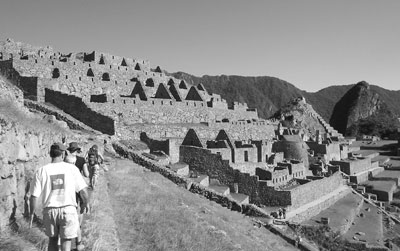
<point>164,111</point>
<point>21,153</point>
<point>205,131</point>
<point>76,108</point>
<point>27,84</point>
<point>45,109</point>
<point>315,189</point>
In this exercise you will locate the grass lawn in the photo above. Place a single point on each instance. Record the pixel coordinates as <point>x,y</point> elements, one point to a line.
<point>339,213</point>
<point>370,224</point>
<point>152,213</point>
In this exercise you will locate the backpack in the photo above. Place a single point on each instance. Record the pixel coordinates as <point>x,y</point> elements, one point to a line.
<point>95,153</point>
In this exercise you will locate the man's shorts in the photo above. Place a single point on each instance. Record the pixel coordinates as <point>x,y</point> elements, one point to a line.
<point>61,221</point>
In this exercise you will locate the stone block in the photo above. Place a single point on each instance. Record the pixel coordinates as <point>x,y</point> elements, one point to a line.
<point>240,198</point>
<point>224,190</point>
<point>202,180</point>
<point>180,168</point>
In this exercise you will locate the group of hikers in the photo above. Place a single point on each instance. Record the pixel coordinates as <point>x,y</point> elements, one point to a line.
<point>280,214</point>
<point>64,191</point>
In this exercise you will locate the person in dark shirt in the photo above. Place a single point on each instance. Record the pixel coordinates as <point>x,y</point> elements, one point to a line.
<point>73,157</point>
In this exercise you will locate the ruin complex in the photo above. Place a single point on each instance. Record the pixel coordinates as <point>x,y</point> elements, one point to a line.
<point>269,163</point>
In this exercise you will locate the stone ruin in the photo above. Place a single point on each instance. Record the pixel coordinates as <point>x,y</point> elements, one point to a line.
<point>120,92</point>
<point>128,98</point>
<point>264,170</point>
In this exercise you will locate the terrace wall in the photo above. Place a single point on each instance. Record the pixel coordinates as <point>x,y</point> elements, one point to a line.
<point>355,166</point>
<point>78,109</point>
<point>315,189</point>
<point>27,84</point>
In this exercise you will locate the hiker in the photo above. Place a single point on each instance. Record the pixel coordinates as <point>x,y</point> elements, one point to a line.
<point>57,184</point>
<point>298,240</point>
<point>73,158</point>
<point>284,213</point>
<point>73,152</point>
<point>91,169</point>
<point>95,150</point>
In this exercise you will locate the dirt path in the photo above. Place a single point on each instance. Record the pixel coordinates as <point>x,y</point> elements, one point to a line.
<point>152,213</point>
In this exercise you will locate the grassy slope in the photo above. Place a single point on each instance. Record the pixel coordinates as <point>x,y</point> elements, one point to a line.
<point>25,239</point>
<point>152,213</point>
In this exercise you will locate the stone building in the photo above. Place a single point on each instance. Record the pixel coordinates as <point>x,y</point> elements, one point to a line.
<point>293,147</point>
<point>284,184</point>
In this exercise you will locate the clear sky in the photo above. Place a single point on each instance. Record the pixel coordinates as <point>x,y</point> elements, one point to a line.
<point>310,43</point>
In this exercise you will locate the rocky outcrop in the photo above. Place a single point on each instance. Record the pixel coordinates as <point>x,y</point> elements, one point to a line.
<point>359,108</point>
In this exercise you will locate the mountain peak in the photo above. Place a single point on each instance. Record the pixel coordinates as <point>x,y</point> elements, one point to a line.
<point>360,105</point>
<point>363,84</point>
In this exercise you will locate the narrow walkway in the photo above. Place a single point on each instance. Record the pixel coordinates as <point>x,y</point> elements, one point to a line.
<point>99,230</point>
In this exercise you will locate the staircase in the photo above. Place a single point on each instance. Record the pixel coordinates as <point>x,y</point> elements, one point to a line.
<point>330,130</point>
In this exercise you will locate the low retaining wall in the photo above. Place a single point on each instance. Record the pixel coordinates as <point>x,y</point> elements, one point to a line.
<point>366,246</point>
<point>314,210</point>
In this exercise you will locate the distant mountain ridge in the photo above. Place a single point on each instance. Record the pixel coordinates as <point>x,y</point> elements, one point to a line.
<point>362,111</point>
<point>269,94</point>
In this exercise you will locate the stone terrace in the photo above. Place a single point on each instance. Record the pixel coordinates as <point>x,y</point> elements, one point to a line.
<point>125,89</point>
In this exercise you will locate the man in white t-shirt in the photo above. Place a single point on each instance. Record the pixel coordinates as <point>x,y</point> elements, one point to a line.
<point>57,184</point>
